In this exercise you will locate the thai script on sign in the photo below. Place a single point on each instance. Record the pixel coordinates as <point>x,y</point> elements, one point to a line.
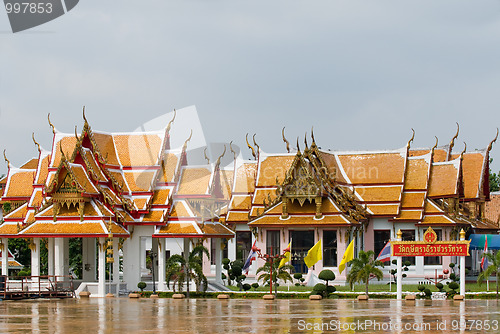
<point>436,249</point>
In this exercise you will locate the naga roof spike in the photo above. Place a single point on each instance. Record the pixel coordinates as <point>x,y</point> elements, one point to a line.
<point>36,143</point>
<point>231,148</point>
<point>285,141</point>
<point>411,139</point>
<point>51,125</point>
<point>312,135</point>
<point>251,147</point>
<point>494,140</point>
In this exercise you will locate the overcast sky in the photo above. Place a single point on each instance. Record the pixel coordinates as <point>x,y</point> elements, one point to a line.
<point>363,73</point>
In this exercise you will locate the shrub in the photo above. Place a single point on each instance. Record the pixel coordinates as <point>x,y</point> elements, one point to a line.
<point>141,285</point>
<point>246,286</point>
<point>428,292</point>
<point>440,286</point>
<point>421,288</point>
<point>255,286</point>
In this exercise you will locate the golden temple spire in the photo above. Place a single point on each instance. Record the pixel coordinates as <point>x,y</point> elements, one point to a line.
<point>250,147</point>
<point>305,141</point>
<point>217,163</point>
<point>312,136</point>
<point>84,118</point>
<point>51,125</point>
<point>285,141</point>
<point>491,143</point>
<point>463,152</point>
<point>435,145</point>
<point>36,143</point>
<point>298,148</point>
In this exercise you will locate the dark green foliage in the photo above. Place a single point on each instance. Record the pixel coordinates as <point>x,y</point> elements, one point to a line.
<point>246,286</point>
<point>407,263</point>
<point>297,275</point>
<point>21,251</point>
<point>440,286</point>
<point>493,269</point>
<point>141,285</point>
<point>427,292</point>
<point>279,273</point>
<point>75,256</point>
<point>452,265</point>
<point>255,286</point>
<point>326,275</point>
<point>494,179</point>
<point>177,267</point>
<point>421,288</point>
<point>24,272</point>
<point>330,289</point>
<point>234,271</point>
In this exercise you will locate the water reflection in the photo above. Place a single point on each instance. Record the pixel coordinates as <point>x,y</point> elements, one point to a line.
<point>121,315</point>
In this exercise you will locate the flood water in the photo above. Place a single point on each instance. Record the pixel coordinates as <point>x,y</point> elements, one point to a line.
<point>123,315</point>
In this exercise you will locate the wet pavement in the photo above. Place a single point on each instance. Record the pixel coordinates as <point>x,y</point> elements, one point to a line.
<point>123,315</point>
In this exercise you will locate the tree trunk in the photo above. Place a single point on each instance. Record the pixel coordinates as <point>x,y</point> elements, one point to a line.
<point>366,287</point>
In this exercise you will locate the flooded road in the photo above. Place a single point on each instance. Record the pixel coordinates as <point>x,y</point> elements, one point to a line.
<point>123,315</point>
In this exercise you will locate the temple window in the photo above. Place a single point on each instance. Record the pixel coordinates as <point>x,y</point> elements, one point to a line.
<point>330,248</point>
<point>273,242</point>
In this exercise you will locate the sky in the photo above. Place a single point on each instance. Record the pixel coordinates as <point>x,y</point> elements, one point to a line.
<point>362,73</point>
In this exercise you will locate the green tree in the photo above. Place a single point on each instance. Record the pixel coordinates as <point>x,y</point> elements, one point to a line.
<point>278,273</point>
<point>494,179</point>
<point>177,267</point>
<point>21,251</point>
<point>326,275</point>
<point>493,268</point>
<point>363,268</point>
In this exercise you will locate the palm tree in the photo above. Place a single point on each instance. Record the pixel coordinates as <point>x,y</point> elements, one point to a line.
<point>278,273</point>
<point>177,267</point>
<point>363,268</point>
<point>493,268</point>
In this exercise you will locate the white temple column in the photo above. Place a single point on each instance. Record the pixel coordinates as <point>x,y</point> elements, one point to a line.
<point>399,259</point>
<point>161,264</point>
<point>187,245</point>
<point>218,260</point>
<point>5,256</point>
<point>101,292</point>
<point>462,267</point>
<point>35,262</point>
<point>50,257</point>
<point>116,263</point>
<point>59,258</point>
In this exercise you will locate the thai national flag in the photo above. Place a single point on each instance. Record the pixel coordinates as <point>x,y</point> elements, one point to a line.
<point>484,261</point>
<point>250,258</point>
<point>385,253</point>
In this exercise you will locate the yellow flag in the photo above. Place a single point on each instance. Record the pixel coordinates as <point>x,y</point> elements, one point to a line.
<point>313,255</point>
<point>348,256</point>
<point>288,255</point>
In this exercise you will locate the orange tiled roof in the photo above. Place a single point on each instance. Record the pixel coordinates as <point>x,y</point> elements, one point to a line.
<point>472,171</point>
<point>19,213</point>
<point>226,181</point>
<point>261,194</point>
<point>241,202</point>
<point>180,209</point>
<point>444,179</point>
<point>67,143</point>
<point>245,178</point>
<point>431,207</point>
<point>31,164</point>
<point>437,220</point>
<point>332,165</point>
<point>20,183</point>
<point>384,209</point>
<point>154,216</point>
<point>8,229</point>
<point>72,228</point>
<point>380,194</point>
<point>299,220</point>
<point>409,215</point>
<point>138,149</point>
<point>374,168</point>
<point>139,181</point>
<point>413,200</point>
<point>90,160</point>
<point>194,181</point>
<point>273,167</point>
<point>161,196</point>
<point>237,216</point>
<point>417,174</point>
<point>169,167</point>
<point>179,227</point>
<point>106,147</point>
<point>83,179</point>
<point>42,170</point>
<point>140,202</point>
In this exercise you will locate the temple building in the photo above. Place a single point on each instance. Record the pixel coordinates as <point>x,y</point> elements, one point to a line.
<point>142,194</point>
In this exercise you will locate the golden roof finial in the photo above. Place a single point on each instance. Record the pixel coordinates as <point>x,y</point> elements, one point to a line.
<point>298,148</point>
<point>51,125</point>
<point>411,139</point>
<point>250,147</point>
<point>435,145</point>
<point>34,141</point>
<point>217,164</point>
<point>305,140</point>
<point>5,157</point>
<point>255,143</point>
<point>206,158</point>
<point>231,148</point>
<point>63,157</point>
<point>187,140</point>
<point>84,118</point>
<point>491,143</point>
<point>285,141</point>
<point>452,142</point>
<point>312,135</point>
<point>171,121</point>
<point>465,149</point>
<point>76,133</point>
